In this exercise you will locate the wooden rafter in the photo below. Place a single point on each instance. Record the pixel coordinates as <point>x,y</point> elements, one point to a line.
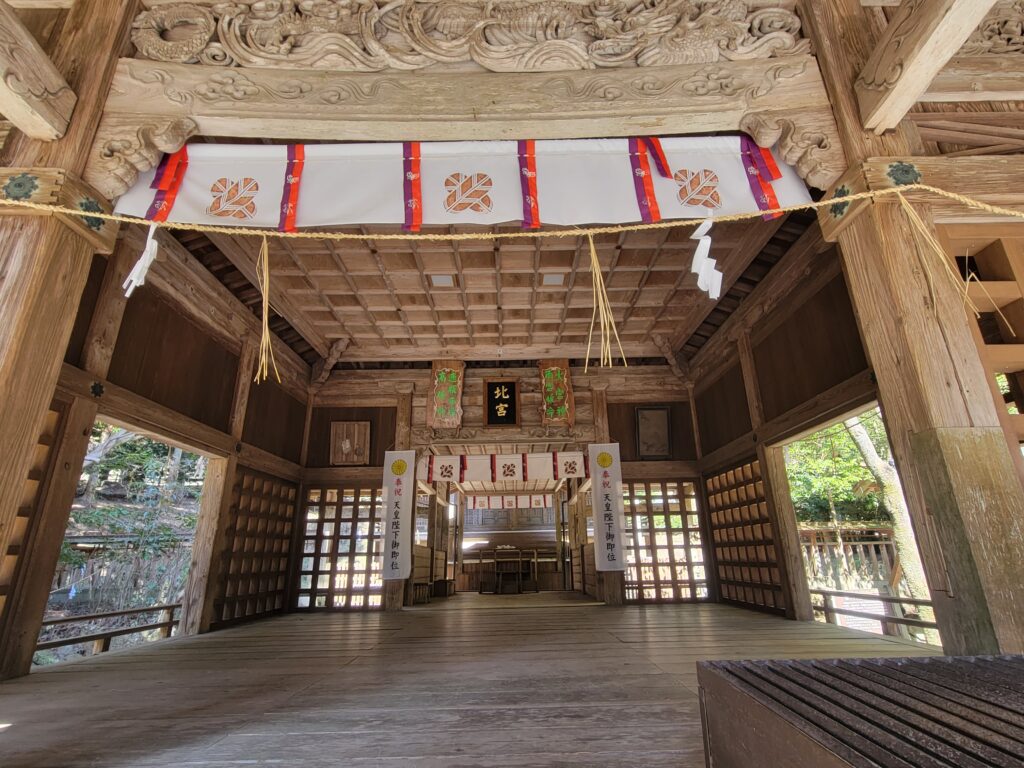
<point>920,39</point>
<point>379,296</point>
<point>743,253</point>
<point>34,95</point>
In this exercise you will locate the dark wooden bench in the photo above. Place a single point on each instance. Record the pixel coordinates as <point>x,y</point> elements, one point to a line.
<point>942,712</point>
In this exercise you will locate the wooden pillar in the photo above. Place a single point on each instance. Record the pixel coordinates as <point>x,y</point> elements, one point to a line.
<point>24,609</point>
<point>399,591</point>
<point>215,513</point>
<point>787,535</point>
<point>44,265</point>
<point>777,496</point>
<point>961,486</point>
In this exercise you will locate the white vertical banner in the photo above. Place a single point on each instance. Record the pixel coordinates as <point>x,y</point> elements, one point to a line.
<point>398,495</point>
<point>606,492</point>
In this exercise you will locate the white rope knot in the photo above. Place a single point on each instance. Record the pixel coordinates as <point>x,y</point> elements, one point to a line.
<point>138,274</point>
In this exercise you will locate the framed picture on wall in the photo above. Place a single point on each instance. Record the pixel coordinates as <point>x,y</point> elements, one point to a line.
<point>654,432</point>
<point>501,402</point>
<point>350,443</point>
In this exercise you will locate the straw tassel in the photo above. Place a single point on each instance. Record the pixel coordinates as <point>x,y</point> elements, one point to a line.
<point>266,360</point>
<point>602,311</point>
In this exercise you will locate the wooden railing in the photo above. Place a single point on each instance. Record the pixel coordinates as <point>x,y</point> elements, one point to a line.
<point>101,640</point>
<point>868,553</point>
<point>830,610</point>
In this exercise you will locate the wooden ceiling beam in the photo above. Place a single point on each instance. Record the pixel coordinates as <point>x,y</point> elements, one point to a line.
<point>754,239</point>
<point>153,105</point>
<point>40,5</point>
<point>240,253</point>
<point>919,41</point>
<point>804,260</point>
<point>194,289</point>
<point>978,78</point>
<point>493,352</point>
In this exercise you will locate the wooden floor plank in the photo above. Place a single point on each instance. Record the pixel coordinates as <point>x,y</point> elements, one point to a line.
<point>464,682</point>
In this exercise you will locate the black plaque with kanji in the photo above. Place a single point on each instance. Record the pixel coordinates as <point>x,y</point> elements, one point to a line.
<point>501,403</point>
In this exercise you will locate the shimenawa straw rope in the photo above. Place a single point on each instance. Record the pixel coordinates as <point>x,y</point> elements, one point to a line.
<point>602,306</point>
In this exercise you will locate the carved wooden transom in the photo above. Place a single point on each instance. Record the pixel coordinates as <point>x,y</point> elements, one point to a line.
<point>544,36</point>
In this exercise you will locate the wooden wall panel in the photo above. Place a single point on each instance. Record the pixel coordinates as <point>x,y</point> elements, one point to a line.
<point>257,547</point>
<point>622,429</point>
<point>382,432</point>
<point>167,358</point>
<point>86,307</point>
<point>816,347</point>
<point>743,539</point>
<point>722,411</point>
<point>274,421</point>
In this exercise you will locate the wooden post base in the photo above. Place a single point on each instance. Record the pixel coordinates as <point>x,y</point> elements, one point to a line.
<point>967,478</point>
<point>394,594</point>
<point>613,587</point>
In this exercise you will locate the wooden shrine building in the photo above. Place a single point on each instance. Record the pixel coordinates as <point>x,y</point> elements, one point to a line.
<point>481,352</point>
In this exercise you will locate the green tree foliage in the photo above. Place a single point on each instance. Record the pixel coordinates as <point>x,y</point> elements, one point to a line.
<point>138,464</point>
<point>829,480</point>
<point>129,535</point>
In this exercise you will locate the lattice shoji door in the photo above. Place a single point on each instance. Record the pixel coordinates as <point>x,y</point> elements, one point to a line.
<point>744,540</point>
<point>341,549</point>
<point>665,558</point>
<point>257,546</point>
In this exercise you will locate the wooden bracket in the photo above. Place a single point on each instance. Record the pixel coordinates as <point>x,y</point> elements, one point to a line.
<point>921,38</point>
<point>54,186</point>
<point>33,93</point>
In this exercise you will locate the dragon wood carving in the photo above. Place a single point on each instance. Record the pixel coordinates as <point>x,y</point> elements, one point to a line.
<point>544,36</point>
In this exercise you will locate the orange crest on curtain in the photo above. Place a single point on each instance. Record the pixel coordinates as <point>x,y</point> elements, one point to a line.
<point>468,193</point>
<point>233,199</point>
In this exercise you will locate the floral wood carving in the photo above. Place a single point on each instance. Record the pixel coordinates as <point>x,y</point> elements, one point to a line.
<point>548,35</point>
<point>800,143</point>
<point>121,152</point>
<point>1002,31</point>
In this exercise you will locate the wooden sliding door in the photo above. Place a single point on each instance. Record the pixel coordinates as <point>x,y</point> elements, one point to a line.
<point>665,555</point>
<point>340,564</point>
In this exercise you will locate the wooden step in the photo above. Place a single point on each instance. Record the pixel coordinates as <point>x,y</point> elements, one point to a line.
<point>1005,358</point>
<point>990,295</point>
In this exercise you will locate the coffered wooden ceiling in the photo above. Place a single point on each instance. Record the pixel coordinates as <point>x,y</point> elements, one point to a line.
<point>481,299</point>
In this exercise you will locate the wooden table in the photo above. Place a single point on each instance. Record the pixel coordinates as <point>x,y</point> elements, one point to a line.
<point>941,712</point>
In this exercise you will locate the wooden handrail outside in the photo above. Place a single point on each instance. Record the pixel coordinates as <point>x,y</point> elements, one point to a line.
<point>110,614</point>
<point>879,598</point>
<point>830,610</point>
<point>875,617</point>
<point>101,640</point>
